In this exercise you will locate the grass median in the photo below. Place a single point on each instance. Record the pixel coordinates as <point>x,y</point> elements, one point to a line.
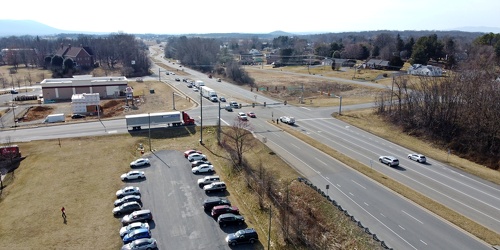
<point>435,207</point>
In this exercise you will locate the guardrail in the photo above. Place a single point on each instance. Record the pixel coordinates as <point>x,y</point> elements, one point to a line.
<point>340,208</point>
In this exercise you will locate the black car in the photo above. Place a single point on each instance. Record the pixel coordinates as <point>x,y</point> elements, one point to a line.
<point>177,79</point>
<point>77,116</point>
<point>230,219</point>
<point>128,198</point>
<point>211,202</point>
<point>248,235</point>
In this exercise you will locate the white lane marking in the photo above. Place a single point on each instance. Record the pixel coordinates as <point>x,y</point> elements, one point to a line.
<point>351,194</point>
<point>411,216</point>
<point>112,132</point>
<point>366,204</point>
<point>339,185</point>
<point>353,201</point>
<point>321,161</point>
<point>305,108</point>
<point>358,184</point>
<point>294,145</point>
<point>423,242</point>
<point>401,227</point>
<point>382,214</point>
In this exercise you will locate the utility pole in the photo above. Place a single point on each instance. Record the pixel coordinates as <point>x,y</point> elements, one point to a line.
<point>201,119</point>
<point>149,131</point>
<point>218,129</point>
<point>269,232</point>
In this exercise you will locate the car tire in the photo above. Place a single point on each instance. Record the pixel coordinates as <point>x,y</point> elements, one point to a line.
<point>197,172</point>
<point>252,241</point>
<point>223,225</point>
<point>118,214</point>
<point>207,191</point>
<point>233,244</point>
<point>409,157</point>
<point>201,185</point>
<point>380,160</point>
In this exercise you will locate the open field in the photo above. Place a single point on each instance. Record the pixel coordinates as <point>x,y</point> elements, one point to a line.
<point>81,174</point>
<point>318,92</point>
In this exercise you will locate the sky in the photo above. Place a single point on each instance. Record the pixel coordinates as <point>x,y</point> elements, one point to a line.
<point>256,16</point>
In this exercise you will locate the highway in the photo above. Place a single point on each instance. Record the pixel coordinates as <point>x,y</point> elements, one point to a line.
<point>399,222</point>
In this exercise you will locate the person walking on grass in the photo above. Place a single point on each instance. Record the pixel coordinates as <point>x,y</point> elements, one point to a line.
<point>63,211</point>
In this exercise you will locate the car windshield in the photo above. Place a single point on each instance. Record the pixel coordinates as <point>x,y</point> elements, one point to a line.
<point>237,234</point>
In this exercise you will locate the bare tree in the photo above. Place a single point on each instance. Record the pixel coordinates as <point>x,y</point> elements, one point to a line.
<point>238,137</point>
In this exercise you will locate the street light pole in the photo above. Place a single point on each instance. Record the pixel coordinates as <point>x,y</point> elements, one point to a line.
<point>159,75</point>
<point>201,119</point>
<point>218,130</point>
<point>149,132</point>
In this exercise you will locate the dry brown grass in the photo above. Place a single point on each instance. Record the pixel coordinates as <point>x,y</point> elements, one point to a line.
<point>432,205</point>
<point>77,173</point>
<point>318,92</point>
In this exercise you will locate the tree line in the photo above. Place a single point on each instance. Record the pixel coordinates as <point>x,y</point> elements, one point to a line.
<point>460,111</point>
<point>110,51</point>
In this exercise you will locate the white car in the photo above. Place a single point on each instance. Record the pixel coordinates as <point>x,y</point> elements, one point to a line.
<point>133,175</point>
<point>197,157</point>
<point>140,162</point>
<point>136,225</point>
<point>195,89</point>
<point>417,157</point>
<point>203,168</point>
<point>242,116</point>
<point>130,190</point>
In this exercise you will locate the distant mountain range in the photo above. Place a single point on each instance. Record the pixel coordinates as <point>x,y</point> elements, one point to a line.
<point>33,28</point>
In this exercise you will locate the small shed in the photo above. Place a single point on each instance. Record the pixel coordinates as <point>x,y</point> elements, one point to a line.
<point>80,102</point>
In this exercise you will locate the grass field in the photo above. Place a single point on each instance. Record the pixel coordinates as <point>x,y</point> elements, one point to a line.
<point>82,174</point>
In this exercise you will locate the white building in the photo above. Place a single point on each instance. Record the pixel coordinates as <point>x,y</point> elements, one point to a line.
<point>84,103</point>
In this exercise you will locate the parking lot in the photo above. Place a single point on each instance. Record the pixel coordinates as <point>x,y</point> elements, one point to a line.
<point>171,192</point>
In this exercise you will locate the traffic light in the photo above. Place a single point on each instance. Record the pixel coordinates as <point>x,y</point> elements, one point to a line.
<point>253,104</point>
<point>264,104</point>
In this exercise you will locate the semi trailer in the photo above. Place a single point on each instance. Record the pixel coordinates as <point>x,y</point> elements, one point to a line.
<point>176,118</point>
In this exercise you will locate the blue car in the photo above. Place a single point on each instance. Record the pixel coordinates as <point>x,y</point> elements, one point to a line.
<point>137,234</point>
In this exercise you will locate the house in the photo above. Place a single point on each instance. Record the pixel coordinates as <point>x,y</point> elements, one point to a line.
<point>425,70</point>
<point>378,64</point>
<point>83,57</point>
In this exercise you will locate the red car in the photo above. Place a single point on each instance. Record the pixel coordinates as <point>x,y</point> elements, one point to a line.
<point>251,114</point>
<point>191,151</point>
<point>224,209</point>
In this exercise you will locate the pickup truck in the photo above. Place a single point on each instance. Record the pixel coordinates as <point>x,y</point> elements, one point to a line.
<point>288,120</point>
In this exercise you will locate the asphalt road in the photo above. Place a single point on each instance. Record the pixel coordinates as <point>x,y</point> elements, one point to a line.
<point>397,221</point>
<point>171,192</point>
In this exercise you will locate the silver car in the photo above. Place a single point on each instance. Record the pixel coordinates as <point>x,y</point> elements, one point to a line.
<point>389,160</point>
<point>141,244</point>
<point>417,157</point>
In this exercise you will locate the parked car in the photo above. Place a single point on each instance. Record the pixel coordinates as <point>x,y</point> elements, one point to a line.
<point>130,190</point>
<point>128,198</point>
<point>219,80</point>
<point>195,89</point>
<point>141,244</point>
<point>214,99</point>
<point>224,209</point>
<point>211,202</point>
<point>14,91</point>
<point>230,219</point>
<point>251,114</point>
<point>203,168</point>
<point>197,163</point>
<point>222,99</point>
<point>197,157</point>
<point>218,186</point>
<point>389,160</point>
<point>127,208</point>
<point>242,116</point>
<point>136,234</point>
<point>137,216</point>
<point>133,175</point>
<point>417,157</point>
<point>77,116</point>
<point>191,151</point>
<point>136,225</point>
<point>140,162</point>
<point>208,180</point>
<point>248,235</point>
<point>177,79</point>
